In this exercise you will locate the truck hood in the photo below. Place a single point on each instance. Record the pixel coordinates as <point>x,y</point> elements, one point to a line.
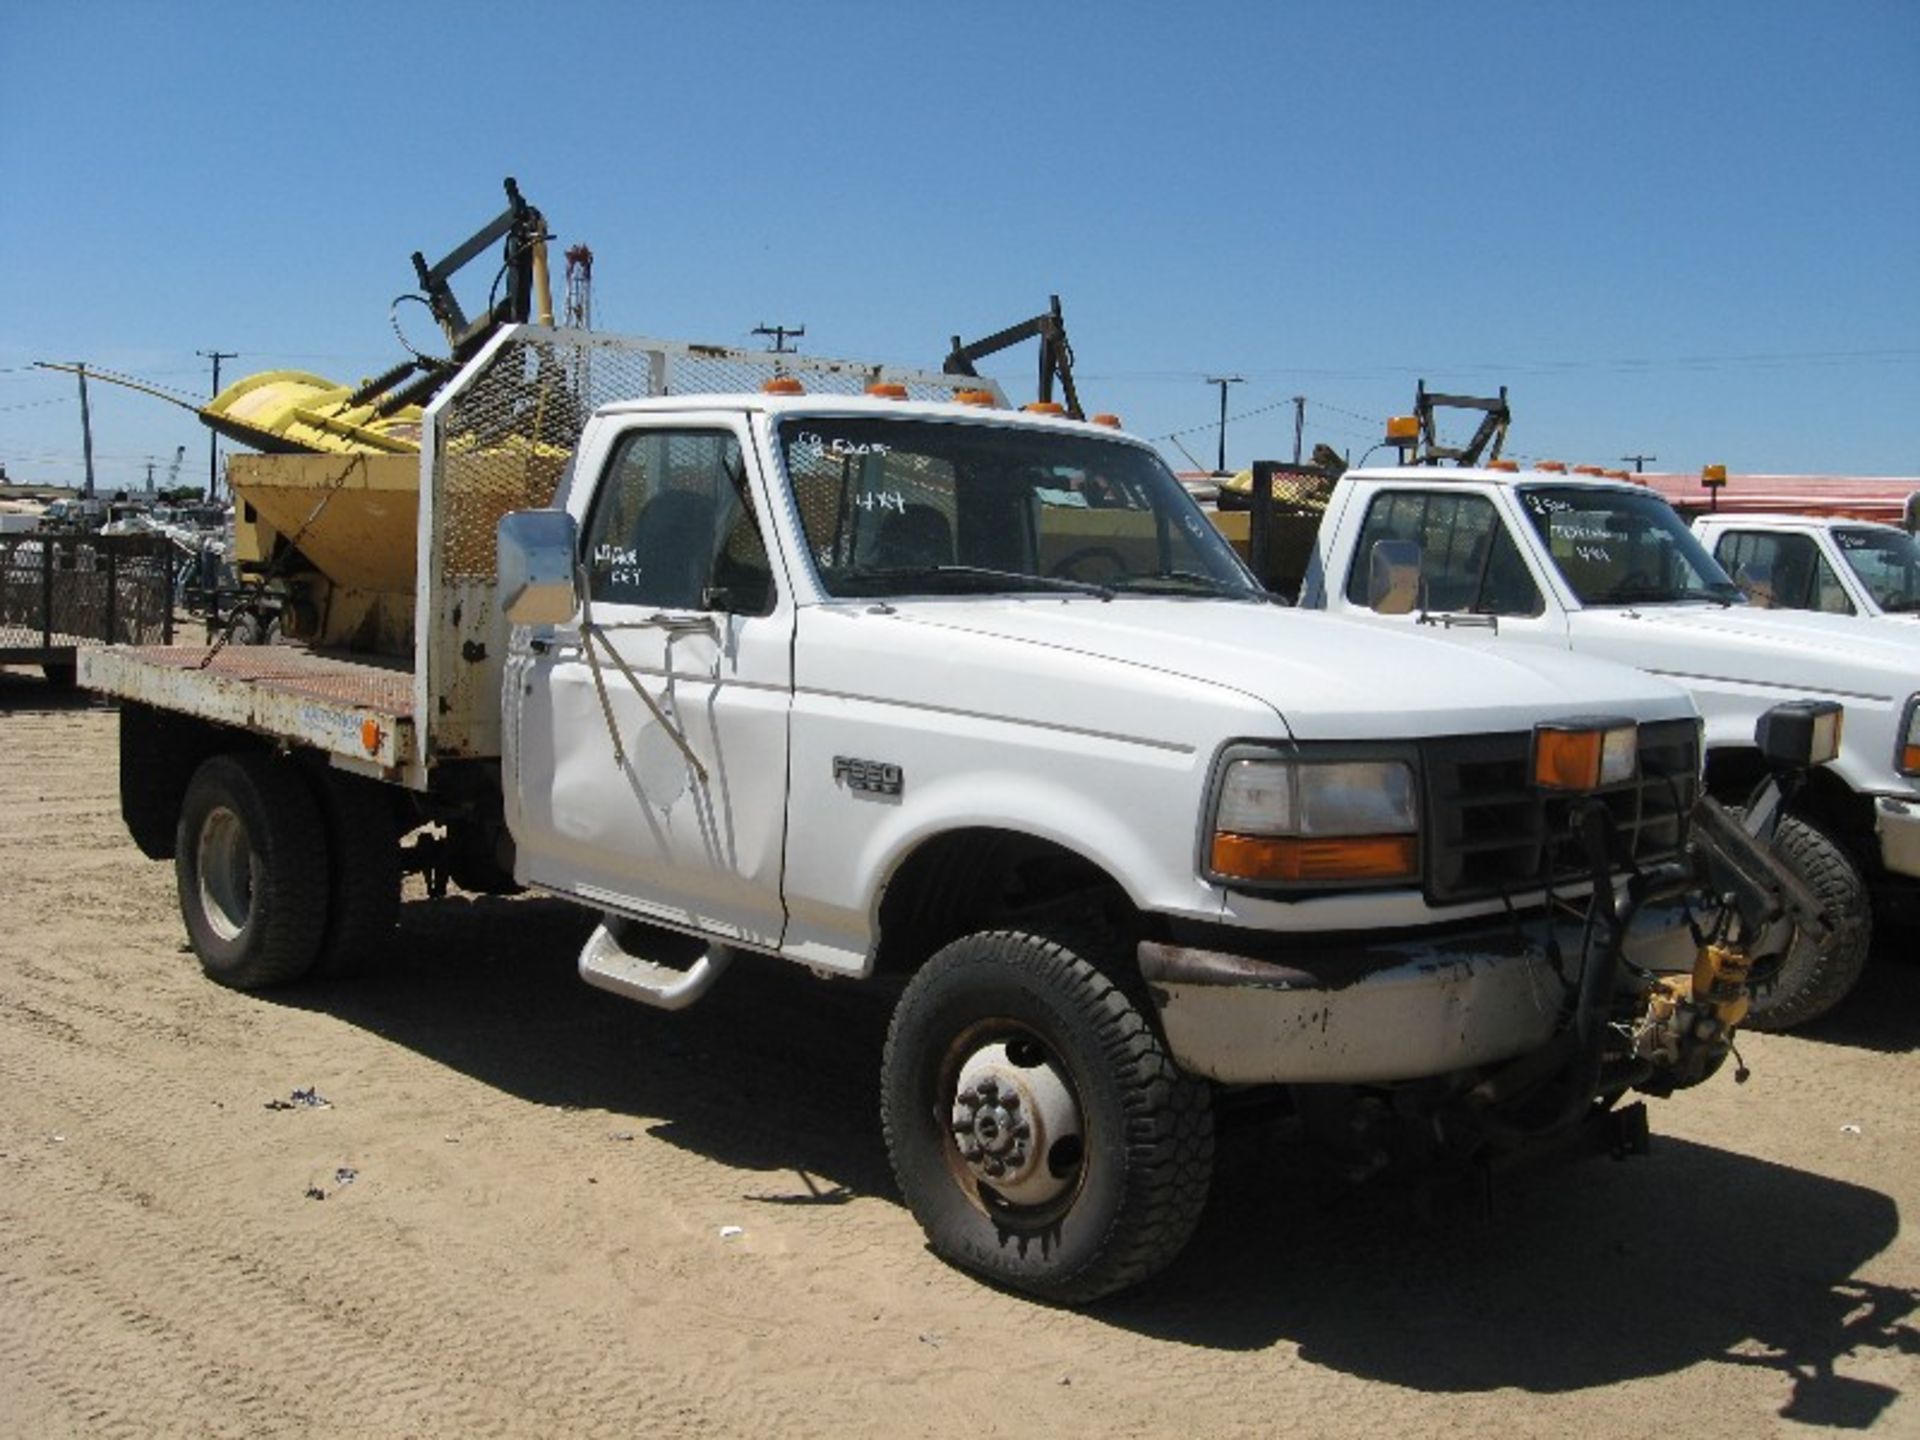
<point>1841,655</point>
<point>1327,677</point>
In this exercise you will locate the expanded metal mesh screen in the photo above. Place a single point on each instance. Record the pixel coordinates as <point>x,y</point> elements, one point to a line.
<point>62,590</point>
<point>505,436</point>
<point>1302,491</point>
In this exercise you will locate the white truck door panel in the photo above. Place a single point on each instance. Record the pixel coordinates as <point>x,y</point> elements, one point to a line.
<point>651,754</point>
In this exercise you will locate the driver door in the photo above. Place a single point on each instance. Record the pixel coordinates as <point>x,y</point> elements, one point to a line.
<point>650,749</point>
<point>1476,581</point>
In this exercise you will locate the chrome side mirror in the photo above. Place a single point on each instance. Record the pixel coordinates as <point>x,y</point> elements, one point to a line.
<point>1393,577</point>
<point>537,584</point>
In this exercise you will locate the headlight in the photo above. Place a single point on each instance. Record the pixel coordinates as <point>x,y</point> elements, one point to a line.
<point>1908,761</point>
<point>1315,822</point>
<point>1585,755</point>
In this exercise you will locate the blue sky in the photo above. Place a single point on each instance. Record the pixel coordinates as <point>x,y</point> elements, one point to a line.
<point>1688,230</point>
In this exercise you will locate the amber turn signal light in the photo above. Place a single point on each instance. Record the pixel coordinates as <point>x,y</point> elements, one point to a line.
<point>1584,755</point>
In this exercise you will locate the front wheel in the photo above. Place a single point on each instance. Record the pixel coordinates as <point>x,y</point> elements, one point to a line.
<point>1038,1129</point>
<point>1810,979</point>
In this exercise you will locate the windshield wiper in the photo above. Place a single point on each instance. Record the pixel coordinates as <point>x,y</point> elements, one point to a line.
<point>968,575</point>
<point>1179,582</point>
<point>1660,595</point>
<point>1900,604</point>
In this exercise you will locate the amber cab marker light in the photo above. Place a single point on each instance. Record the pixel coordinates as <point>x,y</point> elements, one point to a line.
<point>1044,407</point>
<point>782,385</point>
<point>974,397</point>
<point>887,390</point>
<point>1108,419</point>
<point>1584,756</point>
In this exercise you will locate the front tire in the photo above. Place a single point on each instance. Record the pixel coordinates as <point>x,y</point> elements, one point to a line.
<point>250,861</point>
<point>1040,1132</point>
<point>1811,979</point>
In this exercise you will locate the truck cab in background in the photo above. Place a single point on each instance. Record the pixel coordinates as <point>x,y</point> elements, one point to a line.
<point>1835,565</point>
<point>1501,559</point>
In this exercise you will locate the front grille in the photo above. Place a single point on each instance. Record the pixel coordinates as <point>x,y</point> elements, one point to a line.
<point>1488,830</point>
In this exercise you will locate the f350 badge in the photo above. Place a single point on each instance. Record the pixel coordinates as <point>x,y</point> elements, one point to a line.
<point>870,777</point>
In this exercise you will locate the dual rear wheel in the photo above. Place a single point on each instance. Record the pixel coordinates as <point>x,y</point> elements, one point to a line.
<point>281,873</point>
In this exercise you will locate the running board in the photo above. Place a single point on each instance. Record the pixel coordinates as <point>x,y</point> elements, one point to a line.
<point>606,964</point>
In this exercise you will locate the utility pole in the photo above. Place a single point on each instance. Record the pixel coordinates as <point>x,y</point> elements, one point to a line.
<point>1299,424</point>
<point>213,436</point>
<point>1223,381</point>
<point>86,427</point>
<point>1639,462</point>
<point>780,334</point>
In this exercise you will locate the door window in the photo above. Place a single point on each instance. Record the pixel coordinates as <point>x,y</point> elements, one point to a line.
<point>1797,576</point>
<point>673,526</point>
<point>1468,561</point>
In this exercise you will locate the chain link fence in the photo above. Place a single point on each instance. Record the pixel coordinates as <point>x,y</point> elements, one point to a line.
<point>58,592</point>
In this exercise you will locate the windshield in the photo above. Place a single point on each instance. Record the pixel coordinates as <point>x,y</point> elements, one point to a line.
<point>1887,562</point>
<point>900,506</point>
<point>1623,547</point>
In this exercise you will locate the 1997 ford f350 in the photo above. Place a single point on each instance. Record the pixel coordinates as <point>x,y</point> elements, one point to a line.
<point>884,678</point>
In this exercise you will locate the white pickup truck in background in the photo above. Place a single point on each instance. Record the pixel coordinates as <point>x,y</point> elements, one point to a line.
<point>1817,562</point>
<point>1530,560</point>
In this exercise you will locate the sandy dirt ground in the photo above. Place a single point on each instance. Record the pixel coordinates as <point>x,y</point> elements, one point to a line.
<point>531,1208</point>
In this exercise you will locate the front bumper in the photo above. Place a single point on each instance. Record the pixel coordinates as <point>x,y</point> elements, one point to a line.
<point>1373,1010</point>
<point>1897,823</point>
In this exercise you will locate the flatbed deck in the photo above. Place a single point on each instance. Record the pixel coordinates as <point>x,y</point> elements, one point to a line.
<point>358,708</point>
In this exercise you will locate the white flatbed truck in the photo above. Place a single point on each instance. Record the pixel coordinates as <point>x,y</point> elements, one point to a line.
<point>883,678</point>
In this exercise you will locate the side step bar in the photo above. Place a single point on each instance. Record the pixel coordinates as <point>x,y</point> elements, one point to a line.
<point>608,965</point>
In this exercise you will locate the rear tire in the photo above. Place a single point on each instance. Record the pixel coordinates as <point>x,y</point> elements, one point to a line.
<point>363,866</point>
<point>1812,980</point>
<point>1093,1176</point>
<point>250,861</point>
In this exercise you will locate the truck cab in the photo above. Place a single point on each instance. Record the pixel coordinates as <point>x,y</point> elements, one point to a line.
<point>1809,562</point>
<point>1502,559</point>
